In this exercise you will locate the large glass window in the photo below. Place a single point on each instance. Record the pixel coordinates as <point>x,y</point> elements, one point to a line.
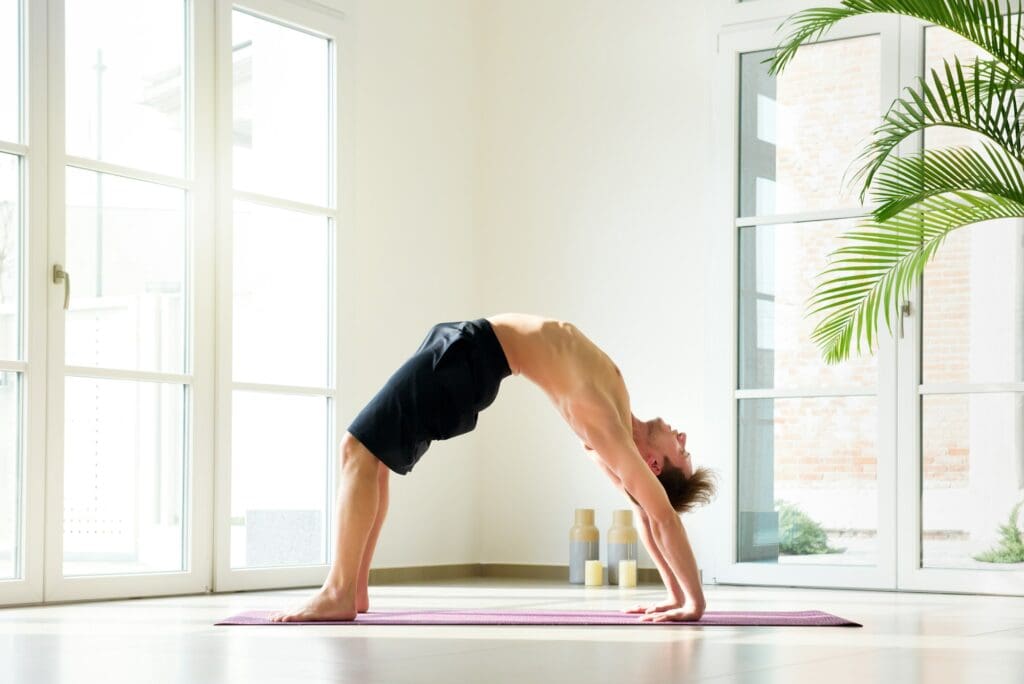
<point>10,257</point>
<point>10,473</point>
<point>808,433</point>
<point>127,332</point>
<point>126,88</point>
<point>10,70</point>
<point>281,101</point>
<point>972,335</point>
<point>282,301</point>
<point>124,473</point>
<point>799,131</point>
<point>126,244</point>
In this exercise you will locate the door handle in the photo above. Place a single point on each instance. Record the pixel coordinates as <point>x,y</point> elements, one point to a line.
<point>60,275</point>
<point>904,312</point>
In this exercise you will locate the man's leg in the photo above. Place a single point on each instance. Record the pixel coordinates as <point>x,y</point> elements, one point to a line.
<point>358,497</point>
<point>362,584</point>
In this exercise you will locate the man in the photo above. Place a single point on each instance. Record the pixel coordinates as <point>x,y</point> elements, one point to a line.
<point>438,394</point>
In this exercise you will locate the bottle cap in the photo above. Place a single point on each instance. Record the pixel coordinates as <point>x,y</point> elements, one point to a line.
<point>623,517</point>
<point>584,516</point>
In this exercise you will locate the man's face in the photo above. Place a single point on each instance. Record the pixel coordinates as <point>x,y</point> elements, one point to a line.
<point>668,445</point>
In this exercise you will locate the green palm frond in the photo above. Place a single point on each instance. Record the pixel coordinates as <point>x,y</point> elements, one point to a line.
<point>883,260</point>
<point>981,100</point>
<point>902,182</point>
<point>994,71</point>
<point>983,22</point>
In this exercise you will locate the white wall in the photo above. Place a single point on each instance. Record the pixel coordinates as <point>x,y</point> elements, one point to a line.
<point>594,156</point>
<point>564,146</point>
<point>411,250</point>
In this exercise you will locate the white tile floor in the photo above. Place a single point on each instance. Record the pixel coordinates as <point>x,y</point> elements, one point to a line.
<point>906,638</point>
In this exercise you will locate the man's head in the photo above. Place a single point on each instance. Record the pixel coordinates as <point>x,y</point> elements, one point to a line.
<point>664,450</point>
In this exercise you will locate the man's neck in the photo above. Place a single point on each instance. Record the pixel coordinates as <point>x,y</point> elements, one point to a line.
<point>639,431</point>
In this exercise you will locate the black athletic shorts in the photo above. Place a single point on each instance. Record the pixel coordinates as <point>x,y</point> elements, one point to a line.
<point>436,394</point>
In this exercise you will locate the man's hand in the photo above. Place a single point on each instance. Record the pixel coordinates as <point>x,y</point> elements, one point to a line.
<point>689,612</point>
<point>670,603</point>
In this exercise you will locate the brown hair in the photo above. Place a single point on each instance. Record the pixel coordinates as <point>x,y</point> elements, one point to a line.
<point>686,492</point>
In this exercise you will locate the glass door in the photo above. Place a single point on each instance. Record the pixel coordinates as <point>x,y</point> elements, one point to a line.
<point>962,389</point>
<point>127,209</point>
<point>278,245</point>
<point>22,260</point>
<point>812,475</point>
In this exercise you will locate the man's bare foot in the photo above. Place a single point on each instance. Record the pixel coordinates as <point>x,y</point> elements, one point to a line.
<point>328,604</point>
<point>363,601</point>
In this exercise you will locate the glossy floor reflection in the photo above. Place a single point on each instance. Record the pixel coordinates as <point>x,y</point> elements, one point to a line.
<point>906,638</point>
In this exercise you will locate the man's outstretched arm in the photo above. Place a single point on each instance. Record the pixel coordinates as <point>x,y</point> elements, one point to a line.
<point>666,529</point>
<point>668,579</point>
<point>675,592</point>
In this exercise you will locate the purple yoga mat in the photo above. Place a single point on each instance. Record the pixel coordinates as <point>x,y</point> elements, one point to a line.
<point>806,618</point>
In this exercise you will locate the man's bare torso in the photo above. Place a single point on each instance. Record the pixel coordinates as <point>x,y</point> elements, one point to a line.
<point>581,380</point>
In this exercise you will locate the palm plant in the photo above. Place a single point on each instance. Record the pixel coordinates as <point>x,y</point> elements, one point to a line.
<point>923,197</point>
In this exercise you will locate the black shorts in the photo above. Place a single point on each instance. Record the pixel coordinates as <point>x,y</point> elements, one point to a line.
<point>436,394</point>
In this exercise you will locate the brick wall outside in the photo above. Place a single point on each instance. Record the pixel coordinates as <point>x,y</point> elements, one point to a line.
<point>828,103</point>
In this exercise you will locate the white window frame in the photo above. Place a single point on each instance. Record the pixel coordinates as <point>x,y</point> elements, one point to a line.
<point>332,21</point>
<point>736,12</point>
<point>911,576</point>
<point>42,367</point>
<point>197,181</point>
<point>721,393</point>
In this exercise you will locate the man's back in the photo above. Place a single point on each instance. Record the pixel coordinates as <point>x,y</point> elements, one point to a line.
<point>579,378</point>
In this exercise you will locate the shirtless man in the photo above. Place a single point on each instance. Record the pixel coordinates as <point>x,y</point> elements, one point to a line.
<point>438,393</point>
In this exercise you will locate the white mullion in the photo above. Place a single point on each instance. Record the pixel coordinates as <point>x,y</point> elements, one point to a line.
<point>282,389</point>
<point>223,240</point>
<point>806,393</point>
<point>971,388</point>
<point>118,374</point>
<point>804,217</point>
<point>13,366</point>
<point>271,201</point>
<point>53,536</point>
<point>202,161</point>
<point>14,148</point>
<point>128,172</point>
<point>908,432</point>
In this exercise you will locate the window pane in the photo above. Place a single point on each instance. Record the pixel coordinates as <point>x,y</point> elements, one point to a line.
<point>942,44</point>
<point>124,480</point>
<point>778,268</point>
<point>281,296</point>
<point>808,488</point>
<point>10,258</point>
<point>126,247</point>
<point>10,86</point>
<point>10,473</point>
<point>125,83</point>
<point>281,110</point>
<point>279,480</point>
<point>972,324</point>
<point>972,460</point>
<point>800,131</point>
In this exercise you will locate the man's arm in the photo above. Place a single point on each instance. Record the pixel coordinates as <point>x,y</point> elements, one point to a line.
<point>669,580</point>
<point>620,454</point>
<point>674,590</point>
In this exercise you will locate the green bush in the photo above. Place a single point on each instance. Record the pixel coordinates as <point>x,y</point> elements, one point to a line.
<point>1011,546</point>
<point>799,534</point>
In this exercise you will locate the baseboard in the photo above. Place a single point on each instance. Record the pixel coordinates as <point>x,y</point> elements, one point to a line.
<point>430,573</point>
